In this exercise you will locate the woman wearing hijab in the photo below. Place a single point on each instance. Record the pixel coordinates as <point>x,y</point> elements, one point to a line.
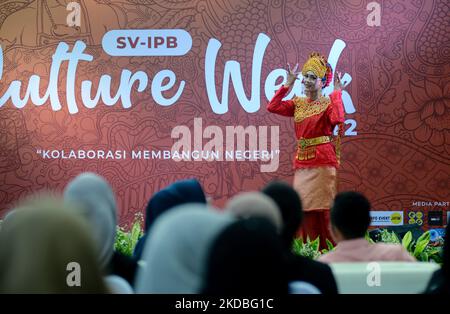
<point>42,246</point>
<point>300,268</point>
<point>255,204</point>
<point>178,244</point>
<point>180,192</point>
<point>93,198</point>
<point>247,258</point>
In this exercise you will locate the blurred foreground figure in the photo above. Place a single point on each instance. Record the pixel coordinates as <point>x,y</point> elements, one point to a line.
<point>178,193</point>
<point>174,257</point>
<point>440,281</point>
<point>45,248</point>
<point>247,258</point>
<point>92,198</point>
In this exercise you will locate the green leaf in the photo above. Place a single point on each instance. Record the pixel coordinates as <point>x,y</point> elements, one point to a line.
<point>423,257</point>
<point>407,239</point>
<point>433,251</point>
<point>297,246</point>
<point>420,247</point>
<point>395,237</point>
<point>368,238</point>
<point>424,237</point>
<point>421,243</point>
<point>437,259</point>
<point>126,240</point>
<point>135,234</point>
<point>330,245</point>
<point>389,237</point>
<point>300,242</point>
<point>315,244</point>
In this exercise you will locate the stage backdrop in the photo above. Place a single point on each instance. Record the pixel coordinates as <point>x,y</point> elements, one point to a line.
<point>145,106</point>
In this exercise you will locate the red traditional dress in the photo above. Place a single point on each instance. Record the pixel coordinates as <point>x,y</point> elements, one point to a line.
<point>317,155</point>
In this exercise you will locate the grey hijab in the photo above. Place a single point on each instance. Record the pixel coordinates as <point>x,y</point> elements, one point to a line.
<point>177,248</point>
<point>94,199</point>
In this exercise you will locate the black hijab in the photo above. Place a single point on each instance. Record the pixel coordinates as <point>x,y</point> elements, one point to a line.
<point>246,259</point>
<point>180,192</point>
<point>290,205</point>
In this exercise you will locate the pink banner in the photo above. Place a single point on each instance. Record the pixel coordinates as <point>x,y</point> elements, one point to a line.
<point>149,92</point>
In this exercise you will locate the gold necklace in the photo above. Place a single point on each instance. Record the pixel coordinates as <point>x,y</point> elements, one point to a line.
<point>305,109</point>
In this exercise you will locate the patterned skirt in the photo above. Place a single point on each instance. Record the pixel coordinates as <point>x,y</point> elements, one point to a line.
<point>316,187</point>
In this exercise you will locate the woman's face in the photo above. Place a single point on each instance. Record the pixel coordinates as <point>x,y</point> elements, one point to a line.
<point>311,82</point>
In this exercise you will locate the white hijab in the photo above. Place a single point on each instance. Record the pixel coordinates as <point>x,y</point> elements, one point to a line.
<point>94,199</point>
<point>177,248</point>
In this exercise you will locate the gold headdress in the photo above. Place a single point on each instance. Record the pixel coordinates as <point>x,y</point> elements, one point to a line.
<point>317,64</point>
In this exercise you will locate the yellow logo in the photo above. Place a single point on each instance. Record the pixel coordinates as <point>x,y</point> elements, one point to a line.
<point>415,218</point>
<point>396,218</point>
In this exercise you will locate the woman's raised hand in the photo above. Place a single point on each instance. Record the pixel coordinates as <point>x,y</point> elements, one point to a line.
<point>338,85</point>
<point>292,75</point>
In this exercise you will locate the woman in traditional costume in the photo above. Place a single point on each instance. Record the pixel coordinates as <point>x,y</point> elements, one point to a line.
<point>318,151</point>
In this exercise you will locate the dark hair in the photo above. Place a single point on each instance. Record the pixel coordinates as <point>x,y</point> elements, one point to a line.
<point>290,206</point>
<point>350,214</point>
<point>246,257</point>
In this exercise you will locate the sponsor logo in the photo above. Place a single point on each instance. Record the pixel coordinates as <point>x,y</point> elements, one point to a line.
<point>397,218</point>
<point>386,218</point>
<point>415,217</point>
<point>436,234</point>
<point>435,218</point>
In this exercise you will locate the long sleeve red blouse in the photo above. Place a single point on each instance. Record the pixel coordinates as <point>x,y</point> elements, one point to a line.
<point>312,119</point>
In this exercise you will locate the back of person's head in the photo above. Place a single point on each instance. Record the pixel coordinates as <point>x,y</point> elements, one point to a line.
<point>91,196</point>
<point>175,252</point>
<point>290,206</point>
<point>350,214</point>
<point>45,248</point>
<point>255,204</point>
<point>178,193</point>
<point>246,258</point>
